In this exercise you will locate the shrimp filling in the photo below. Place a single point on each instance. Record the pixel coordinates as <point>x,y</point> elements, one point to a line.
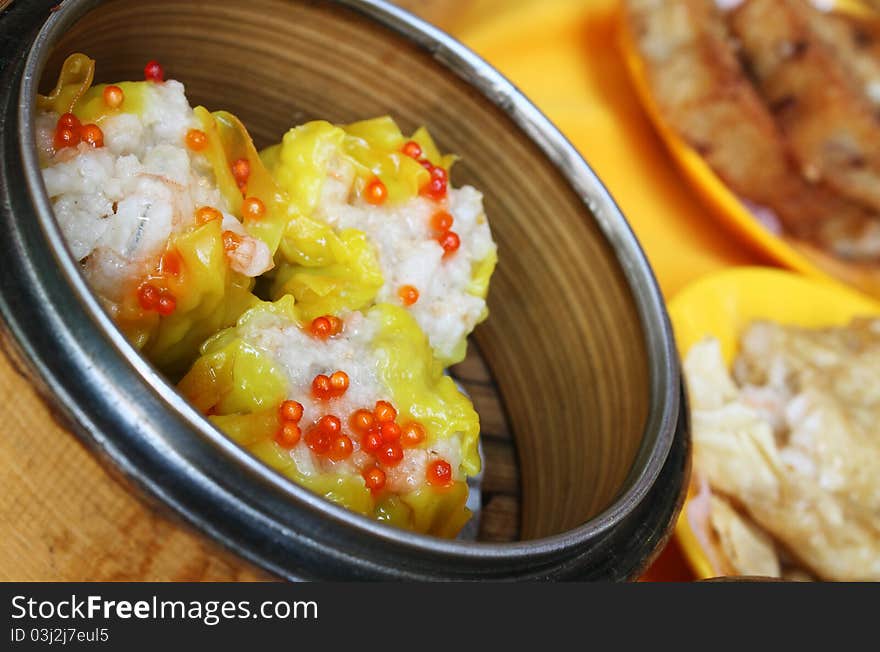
<point>119,203</point>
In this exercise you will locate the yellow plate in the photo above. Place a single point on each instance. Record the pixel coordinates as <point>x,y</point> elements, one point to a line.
<point>796,255</point>
<point>721,305</point>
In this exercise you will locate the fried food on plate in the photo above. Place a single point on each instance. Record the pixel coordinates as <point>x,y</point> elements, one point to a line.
<point>807,73</point>
<point>855,43</point>
<point>791,445</point>
<point>702,91</point>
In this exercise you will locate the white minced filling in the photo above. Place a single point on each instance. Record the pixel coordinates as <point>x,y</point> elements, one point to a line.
<point>118,205</point>
<point>302,357</point>
<point>409,253</point>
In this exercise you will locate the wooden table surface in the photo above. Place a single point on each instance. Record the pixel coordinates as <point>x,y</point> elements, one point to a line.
<point>64,518</point>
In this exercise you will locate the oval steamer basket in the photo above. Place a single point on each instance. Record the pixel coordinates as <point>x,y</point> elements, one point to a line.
<point>581,361</point>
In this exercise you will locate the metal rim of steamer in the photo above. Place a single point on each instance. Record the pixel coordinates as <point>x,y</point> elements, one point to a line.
<point>128,414</point>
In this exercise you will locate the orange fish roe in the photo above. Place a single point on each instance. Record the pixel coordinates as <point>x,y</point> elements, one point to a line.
<point>325,438</point>
<point>341,448</point>
<point>148,296</point>
<point>450,242</point>
<point>384,412</point>
<point>438,185</point>
<point>196,140</point>
<point>439,473</point>
<point>291,411</point>
<point>66,137</point>
<point>67,132</point>
<point>390,431</point>
<point>390,453</point>
<point>151,297</point>
<point>207,214</point>
<point>325,326</point>
<point>154,71</point>
<point>408,294</point>
<point>330,424</point>
<point>113,96</point>
<point>375,192</point>
<point>69,120</point>
<point>374,478</point>
<point>320,328</point>
<point>150,293</point>
<point>412,149</point>
<point>241,170</point>
<point>92,135</point>
<point>231,241</point>
<point>332,386</point>
<point>441,221</point>
<point>253,208</point>
<point>319,440</point>
<point>321,387</point>
<point>361,421</point>
<point>288,434</point>
<point>412,434</point>
<point>380,439</point>
<point>339,382</point>
<point>372,440</point>
<point>167,304</point>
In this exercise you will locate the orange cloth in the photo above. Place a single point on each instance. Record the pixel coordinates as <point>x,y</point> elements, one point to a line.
<point>563,55</point>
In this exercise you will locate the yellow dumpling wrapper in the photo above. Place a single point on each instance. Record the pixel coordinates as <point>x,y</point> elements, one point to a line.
<point>241,388</point>
<point>329,272</point>
<point>209,295</point>
<point>75,78</point>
